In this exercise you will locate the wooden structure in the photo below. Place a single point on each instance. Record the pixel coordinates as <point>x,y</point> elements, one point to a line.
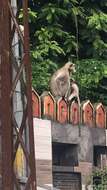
<point>62,112</point>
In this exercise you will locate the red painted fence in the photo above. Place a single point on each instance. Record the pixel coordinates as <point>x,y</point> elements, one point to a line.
<point>45,106</point>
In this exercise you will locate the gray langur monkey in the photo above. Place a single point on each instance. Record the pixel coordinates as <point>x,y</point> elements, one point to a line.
<point>60,81</point>
<point>74,91</point>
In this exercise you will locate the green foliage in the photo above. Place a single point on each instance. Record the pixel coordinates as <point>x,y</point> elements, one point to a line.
<point>98,22</point>
<point>100,179</point>
<point>32,15</point>
<point>65,29</point>
<point>42,73</point>
<point>90,73</point>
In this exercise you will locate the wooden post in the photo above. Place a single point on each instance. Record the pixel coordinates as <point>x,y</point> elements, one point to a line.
<point>74,113</point>
<point>87,111</point>
<point>62,111</point>
<point>36,104</point>
<point>100,116</point>
<point>48,106</point>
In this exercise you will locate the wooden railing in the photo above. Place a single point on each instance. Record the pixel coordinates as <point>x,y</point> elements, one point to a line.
<point>45,106</point>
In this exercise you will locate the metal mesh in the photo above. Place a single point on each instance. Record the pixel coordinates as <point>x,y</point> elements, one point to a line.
<point>16,124</point>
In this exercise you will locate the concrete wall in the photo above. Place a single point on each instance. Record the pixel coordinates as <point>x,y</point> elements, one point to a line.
<point>43,151</point>
<point>86,138</point>
<point>46,132</point>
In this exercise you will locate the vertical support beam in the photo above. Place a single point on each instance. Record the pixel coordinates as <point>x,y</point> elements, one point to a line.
<point>8,121</point>
<point>6,108</point>
<point>29,94</point>
<point>0,89</point>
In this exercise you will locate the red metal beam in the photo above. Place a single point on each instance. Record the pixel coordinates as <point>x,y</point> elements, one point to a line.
<point>6,108</point>
<point>8,87</point>
<point>29,94</point>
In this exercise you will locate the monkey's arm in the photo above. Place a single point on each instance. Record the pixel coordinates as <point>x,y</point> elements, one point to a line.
<point>63,85</point>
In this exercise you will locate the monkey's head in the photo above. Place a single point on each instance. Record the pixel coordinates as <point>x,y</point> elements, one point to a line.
<point>70,66</point>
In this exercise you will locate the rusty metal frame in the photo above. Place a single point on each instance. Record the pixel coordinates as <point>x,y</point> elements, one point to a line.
<point>8,121</point>
<point>29,93</point>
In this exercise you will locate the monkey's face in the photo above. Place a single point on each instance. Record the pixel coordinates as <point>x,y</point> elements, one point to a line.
<point>72,68</point>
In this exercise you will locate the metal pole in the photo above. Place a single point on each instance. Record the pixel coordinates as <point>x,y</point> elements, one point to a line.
<point>6,109</point>
<point>10,124</point>
<point>29,93</point>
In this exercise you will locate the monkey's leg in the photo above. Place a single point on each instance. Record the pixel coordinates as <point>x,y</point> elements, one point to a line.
<point>78,99</point>
<point>71,97</point>
<point>68,91</point>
